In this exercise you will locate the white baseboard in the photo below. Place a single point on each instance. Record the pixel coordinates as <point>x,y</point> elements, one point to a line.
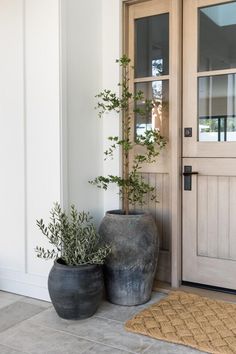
<point>24,284</point>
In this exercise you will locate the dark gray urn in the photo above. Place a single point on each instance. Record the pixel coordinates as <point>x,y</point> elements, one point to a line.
<point>130,269</point>
<point>75,291</point>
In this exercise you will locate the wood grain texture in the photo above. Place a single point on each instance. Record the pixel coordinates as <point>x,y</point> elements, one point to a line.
<point>168,210</point>
<point>216,212</point>
<point>232,218</point>
<point>160,211</point>
<point>202,218</point>
<point>223,216</point>
<point>212,216</point>
<point>209,223</point>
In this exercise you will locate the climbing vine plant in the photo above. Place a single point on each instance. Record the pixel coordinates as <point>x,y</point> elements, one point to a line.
<point>132,185</point>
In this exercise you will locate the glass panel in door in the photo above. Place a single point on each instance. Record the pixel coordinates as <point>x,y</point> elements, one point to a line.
<point>217,36</point>
<point>158,92</point>
<point>217,108</point>
<point>152,46</point>
<point>151,64</point>
<point>217,93</point>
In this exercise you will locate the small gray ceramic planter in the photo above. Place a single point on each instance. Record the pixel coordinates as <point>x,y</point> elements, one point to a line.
<point>75,291</point>
<point>130,269</point>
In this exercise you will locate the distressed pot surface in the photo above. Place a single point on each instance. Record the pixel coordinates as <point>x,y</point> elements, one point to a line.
<point>130,268</point>
<point>75,291</point>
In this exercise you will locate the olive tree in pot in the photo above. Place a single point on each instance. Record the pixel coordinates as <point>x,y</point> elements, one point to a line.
<point>130,268</point>
<point>75,282</point>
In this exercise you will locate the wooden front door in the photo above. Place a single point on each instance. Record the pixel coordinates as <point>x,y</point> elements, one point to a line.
<point>209,142</point>
<point>153,44</point>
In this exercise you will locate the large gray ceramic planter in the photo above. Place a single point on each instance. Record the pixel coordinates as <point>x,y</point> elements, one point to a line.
<point>75,291</point>
<point>130,268</point>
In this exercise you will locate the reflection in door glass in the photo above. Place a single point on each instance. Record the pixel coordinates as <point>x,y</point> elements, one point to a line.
<point>217,36</point>
<point>158,118</point>
<point>152,46</point>
<point>217,108</point>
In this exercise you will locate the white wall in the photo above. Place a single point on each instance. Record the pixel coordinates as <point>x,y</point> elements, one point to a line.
<point>55,56</point>
<point>11,135</point>
<point>112,50</point>
<point>81,28</point>
<point>29,141</point>
<point>91,45</point>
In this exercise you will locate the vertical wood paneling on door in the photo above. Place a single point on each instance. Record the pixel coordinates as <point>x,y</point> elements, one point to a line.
<point>202,211</point>
<point>152,203</point>
<point>163,224</point>
<point>165,212</point>
<point>159,206</point>
<point>213,216</point>
<point>212,202</point>
<point>160,209</point>
<point>223,217</point>
<point>146,198</point>
<point>232,219</point>
<point>189,224</point>
<point>161,213</point>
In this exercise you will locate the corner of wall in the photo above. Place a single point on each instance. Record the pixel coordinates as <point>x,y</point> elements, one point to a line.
<point>111,49</point>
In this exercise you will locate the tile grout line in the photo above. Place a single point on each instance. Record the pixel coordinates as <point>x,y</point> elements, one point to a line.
<point>44,309</point>
<point>19,351</point>
<point>20,321</point>
<point>110,319</point>
<point>150,346</point>
<point>134,314</point>
<point>85,338</point>
<point>11,303</point>
<point>118,321</point>
<point>34,303</point>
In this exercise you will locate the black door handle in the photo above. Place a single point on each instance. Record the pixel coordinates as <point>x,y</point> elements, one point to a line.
<point>190,173</point>
<point>188,177</point>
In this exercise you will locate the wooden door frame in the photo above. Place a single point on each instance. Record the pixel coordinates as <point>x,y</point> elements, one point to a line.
<point>175,128</point>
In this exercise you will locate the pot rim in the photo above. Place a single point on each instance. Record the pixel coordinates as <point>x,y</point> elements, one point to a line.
<point>134,213</point>
<point>74,267</point>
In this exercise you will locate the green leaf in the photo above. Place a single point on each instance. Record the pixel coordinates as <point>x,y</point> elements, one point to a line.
<point>73,237</point>
<point>132,187</point>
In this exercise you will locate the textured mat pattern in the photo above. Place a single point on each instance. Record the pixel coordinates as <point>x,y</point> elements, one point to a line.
<point>189,319</point>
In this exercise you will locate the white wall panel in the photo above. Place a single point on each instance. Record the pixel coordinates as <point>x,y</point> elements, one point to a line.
<point>82,70</point>
<point>12,207</point>
<point>111,50</point>
<point>42,119</point>
<point>29,138</point>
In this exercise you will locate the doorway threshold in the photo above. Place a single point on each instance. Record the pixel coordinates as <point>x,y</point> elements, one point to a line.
<point>203,290</point>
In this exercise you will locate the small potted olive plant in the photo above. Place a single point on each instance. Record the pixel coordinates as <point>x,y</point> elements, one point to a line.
<point>75,282</point>
<point>130,268</point>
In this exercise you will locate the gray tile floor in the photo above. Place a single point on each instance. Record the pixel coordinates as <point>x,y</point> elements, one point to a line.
<point>31,326</point>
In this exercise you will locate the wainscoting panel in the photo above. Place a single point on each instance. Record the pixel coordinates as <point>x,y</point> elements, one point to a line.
<point>216,216</point>
<point>160,209</point>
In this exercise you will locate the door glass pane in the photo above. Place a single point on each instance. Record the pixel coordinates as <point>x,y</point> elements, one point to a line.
<point>158,118</point>
<point>217,108</point>
<point>217,37</point>
<point>152,46</point>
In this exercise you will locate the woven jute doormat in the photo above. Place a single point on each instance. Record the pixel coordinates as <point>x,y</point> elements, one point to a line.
<point>191,320</point>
